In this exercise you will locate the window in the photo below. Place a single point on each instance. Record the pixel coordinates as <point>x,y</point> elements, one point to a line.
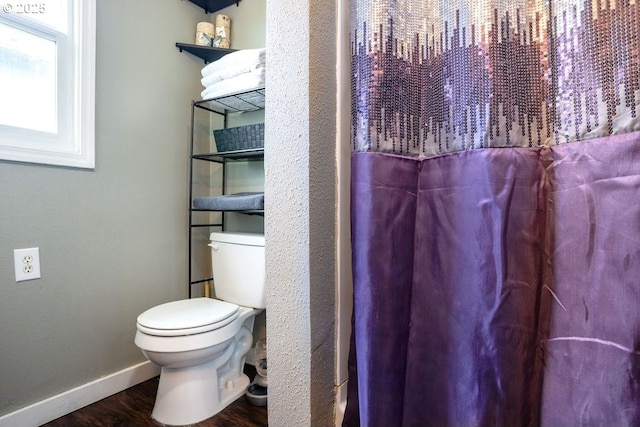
<point>47,82</point>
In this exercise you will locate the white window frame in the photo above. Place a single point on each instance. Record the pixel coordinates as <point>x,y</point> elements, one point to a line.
<point>74,144</point>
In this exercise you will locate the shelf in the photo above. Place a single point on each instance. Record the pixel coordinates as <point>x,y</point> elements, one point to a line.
<point>206,53</point>
<point>233,102</point>
<point>238,155</point>
<point>211,6</point>
<point>206,225</point>
<point>250,100</point>
<point>245,212</point>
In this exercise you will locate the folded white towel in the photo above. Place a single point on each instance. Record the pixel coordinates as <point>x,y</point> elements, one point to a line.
<point>240,83</point>
<point>232,71</point>
<point>248,58</point>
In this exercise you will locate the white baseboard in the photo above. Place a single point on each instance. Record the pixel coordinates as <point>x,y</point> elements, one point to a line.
<point>79,397</point>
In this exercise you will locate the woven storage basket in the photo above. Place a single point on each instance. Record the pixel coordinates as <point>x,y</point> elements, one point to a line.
<point>239,138</point>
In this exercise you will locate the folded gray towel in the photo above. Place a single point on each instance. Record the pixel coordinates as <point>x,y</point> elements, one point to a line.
<point>231,202</point>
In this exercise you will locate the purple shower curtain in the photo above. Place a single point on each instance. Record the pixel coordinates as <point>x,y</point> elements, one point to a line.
<point>495,214</point>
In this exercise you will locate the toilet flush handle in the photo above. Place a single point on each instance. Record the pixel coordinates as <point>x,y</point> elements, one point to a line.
<point>214,247</point>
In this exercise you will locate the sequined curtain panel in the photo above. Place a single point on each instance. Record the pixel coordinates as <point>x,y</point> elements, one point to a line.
<point>433,77</point>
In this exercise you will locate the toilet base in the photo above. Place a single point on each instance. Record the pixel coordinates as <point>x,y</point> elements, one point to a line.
<point>190,395</point>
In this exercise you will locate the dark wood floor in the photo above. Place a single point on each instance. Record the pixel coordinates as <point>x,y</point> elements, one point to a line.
<point>132,408</point>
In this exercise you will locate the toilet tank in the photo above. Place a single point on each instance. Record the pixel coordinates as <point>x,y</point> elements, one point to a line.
<point>237,260</point>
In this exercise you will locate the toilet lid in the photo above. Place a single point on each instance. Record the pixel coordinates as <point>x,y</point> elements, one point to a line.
<point>188,315</point>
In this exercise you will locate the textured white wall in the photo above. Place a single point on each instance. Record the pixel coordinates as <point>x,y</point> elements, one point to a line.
<point>300,170</point>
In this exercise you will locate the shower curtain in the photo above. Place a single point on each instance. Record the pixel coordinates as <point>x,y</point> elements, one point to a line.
<point>495,213</point>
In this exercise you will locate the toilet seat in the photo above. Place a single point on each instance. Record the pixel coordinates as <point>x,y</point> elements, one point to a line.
<point>187,317</point>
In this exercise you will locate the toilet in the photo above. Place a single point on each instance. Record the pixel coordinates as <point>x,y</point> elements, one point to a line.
<point>201,343</point>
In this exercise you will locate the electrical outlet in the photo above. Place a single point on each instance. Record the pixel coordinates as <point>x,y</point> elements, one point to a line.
<point>26,263</point>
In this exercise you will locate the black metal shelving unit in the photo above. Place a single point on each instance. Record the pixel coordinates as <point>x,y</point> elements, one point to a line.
<point>252,100</point>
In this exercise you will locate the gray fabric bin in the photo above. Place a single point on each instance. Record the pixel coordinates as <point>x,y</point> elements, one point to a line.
<point>239,138</point>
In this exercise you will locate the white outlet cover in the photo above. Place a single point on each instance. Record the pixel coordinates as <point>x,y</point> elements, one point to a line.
<point>19,264</point>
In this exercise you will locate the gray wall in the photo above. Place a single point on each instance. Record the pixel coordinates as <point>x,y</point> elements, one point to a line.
<point>112,241</point>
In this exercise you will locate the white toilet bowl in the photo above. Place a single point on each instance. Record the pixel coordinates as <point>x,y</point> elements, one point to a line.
<point>201,345</point>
